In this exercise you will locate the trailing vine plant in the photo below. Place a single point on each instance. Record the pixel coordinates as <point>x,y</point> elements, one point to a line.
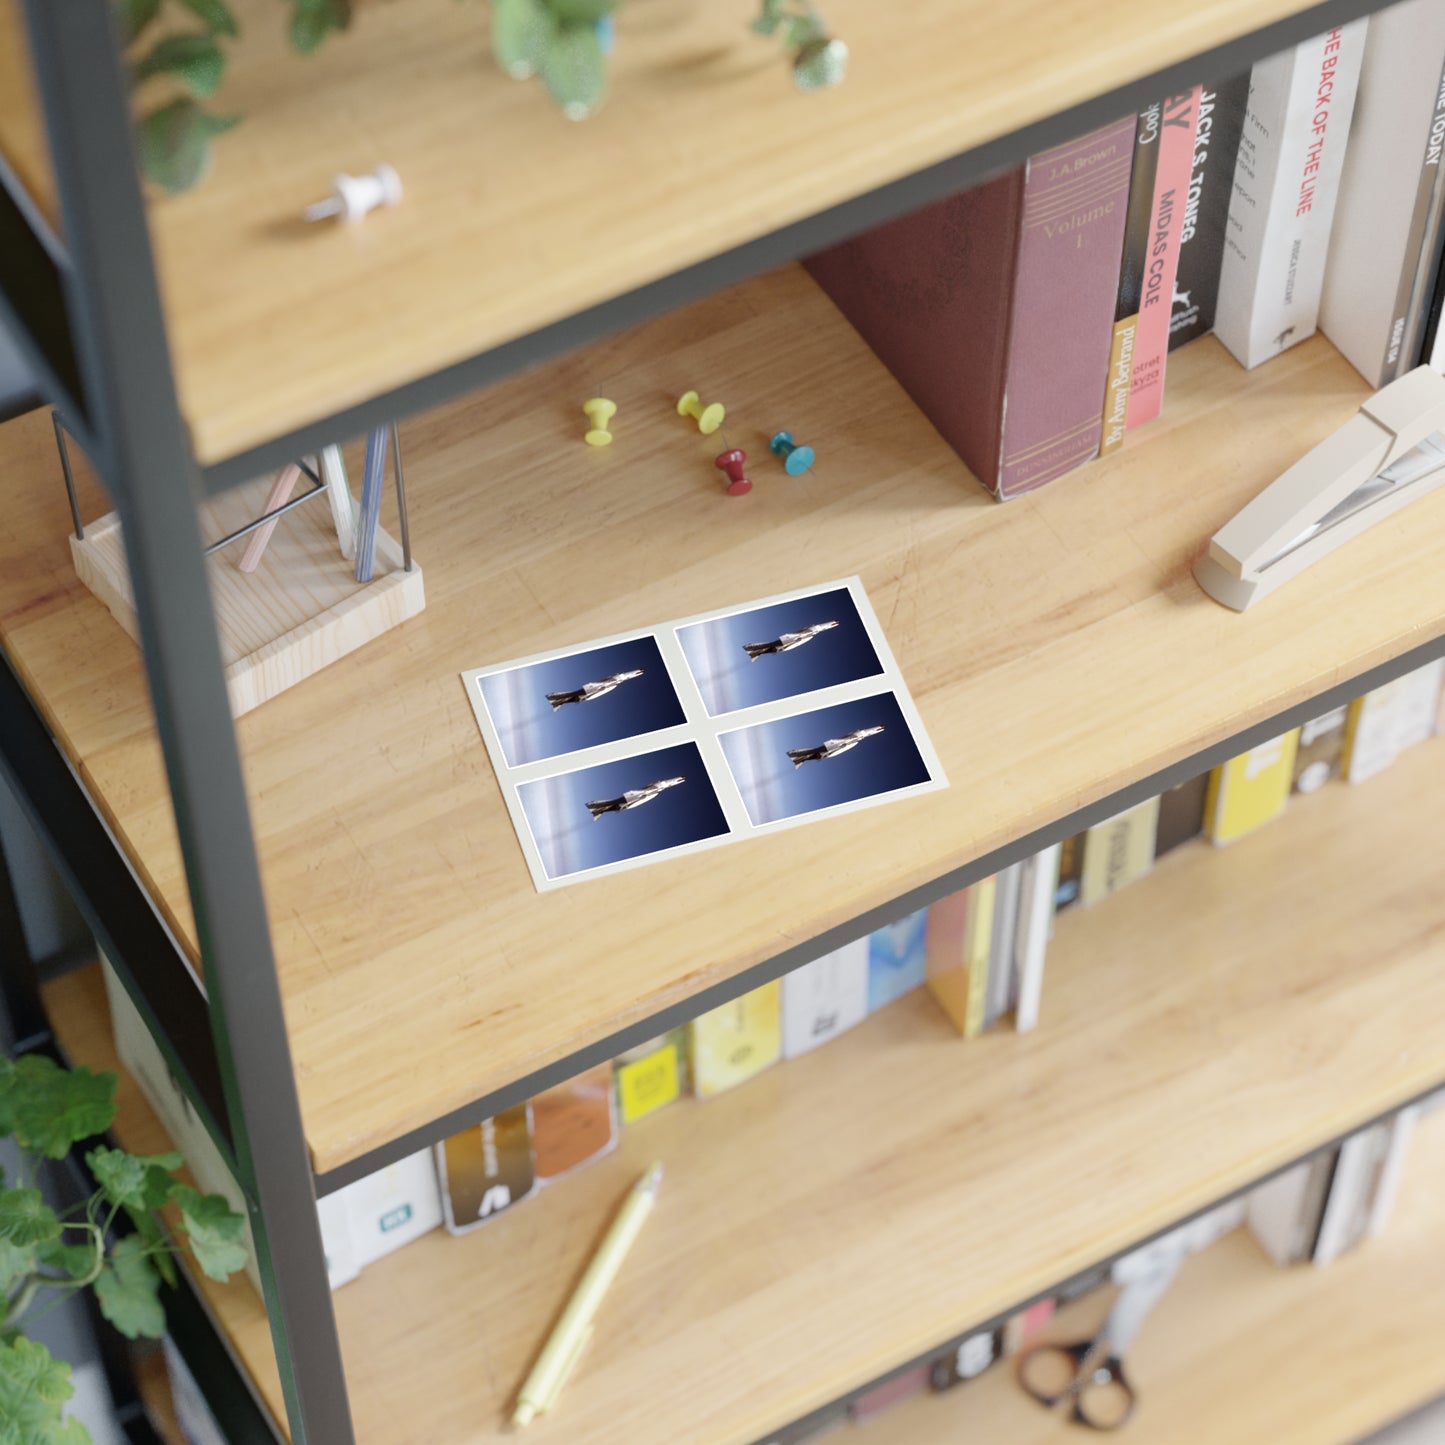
<point>45,1256</point>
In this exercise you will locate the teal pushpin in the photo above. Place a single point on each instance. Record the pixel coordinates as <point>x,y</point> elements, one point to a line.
<point>796,460</point>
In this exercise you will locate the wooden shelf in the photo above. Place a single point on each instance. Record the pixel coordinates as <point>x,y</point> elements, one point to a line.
<point>1058,648</point>
<point>1242,1351</point>
<point>22,130</point>
<point>515,218</point>
<point>847,1211</point>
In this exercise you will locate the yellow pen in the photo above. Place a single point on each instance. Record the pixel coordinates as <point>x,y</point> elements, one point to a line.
<point>566,1342</point>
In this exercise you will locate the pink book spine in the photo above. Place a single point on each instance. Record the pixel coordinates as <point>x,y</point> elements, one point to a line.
<point>1171,191</point>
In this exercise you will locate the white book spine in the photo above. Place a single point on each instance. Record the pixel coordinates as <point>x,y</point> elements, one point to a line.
<point>1036,917</point>
<point>1351,1178</point>
<point>824,998</point>
<point>1286,182</point>
<point>1002,945</point>
<point>1387,190</point>
<point>1387,1187</point>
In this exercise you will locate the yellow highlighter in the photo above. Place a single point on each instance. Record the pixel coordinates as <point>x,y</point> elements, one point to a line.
<point>573,1330</point>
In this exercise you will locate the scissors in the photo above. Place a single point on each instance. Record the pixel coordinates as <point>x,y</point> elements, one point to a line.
<point>1089,1374</point>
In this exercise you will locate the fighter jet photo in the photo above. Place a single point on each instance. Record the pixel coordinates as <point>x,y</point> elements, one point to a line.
<point>832,748</point>
<point>591,691</point>
<point>787,642</point>
<point>632,798</point>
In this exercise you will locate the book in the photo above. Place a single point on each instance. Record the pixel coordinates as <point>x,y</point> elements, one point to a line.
<point>891,1392</point>
<point>1001,988</point>
<point>958,955</point>
<point>1206,209</point>
<point>1286,180</point>
<point>1400,1130</point>
<point>1038,890</point>
<point>486,1169</point>
<point>896,959</point>
<point>1321,750</point>
<point>1071,869</point>
<point>1342,1223</point>
<point>1388,189</point>
<point>737,1040</point>
<point>1386,720</point>
<point>1118,851</point>
<point>650,1076</point>
<point>1284,1213</point>
<point>1181,814</point>
<point>825,998</point>
<point>966,1362</point>
<point>573,1123</point>
<point>1177,124</point>
<point>1251,790</point>
<point>1133,259</point>
<point>395,1205</point>
<point>993,307</point>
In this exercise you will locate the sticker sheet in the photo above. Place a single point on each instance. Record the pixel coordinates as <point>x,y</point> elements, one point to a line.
<point>701,731</point>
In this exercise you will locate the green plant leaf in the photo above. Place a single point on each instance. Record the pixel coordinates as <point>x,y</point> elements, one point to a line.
<point>157,1242</point>
<point>134,1180</point>
<point>128,1290</point>
<point>769,17</point>
<point>803,30</point>
<point>33,1390</point>
<point>135,15</point>
<point>522,30</point>
<point>215,15</point>
<point>580,12</point>
<point>25,1218</point>
<point>820,63</point>
<point>50,1108</point>
<point>313,20</point>
<point>214,1229</point>
<point>74,1261</point>
<point>16,1261</point>
<point>175,145</point>
<point>574,70</point>
<point>195,60</point>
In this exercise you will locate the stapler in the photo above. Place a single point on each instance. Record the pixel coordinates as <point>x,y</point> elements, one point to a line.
<point>1381,459</point>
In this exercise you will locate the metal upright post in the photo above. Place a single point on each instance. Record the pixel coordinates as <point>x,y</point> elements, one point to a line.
<point>143,453</point>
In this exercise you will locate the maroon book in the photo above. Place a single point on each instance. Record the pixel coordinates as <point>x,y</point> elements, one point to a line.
<point>995,307</point>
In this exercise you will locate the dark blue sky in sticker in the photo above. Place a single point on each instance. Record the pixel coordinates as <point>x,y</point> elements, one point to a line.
<point>728,679</point>
<point>571,841</point>
<point>530,729</point>
<point>772,788</point>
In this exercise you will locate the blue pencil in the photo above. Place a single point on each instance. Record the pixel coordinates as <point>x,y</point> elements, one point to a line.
<point>369,515</point>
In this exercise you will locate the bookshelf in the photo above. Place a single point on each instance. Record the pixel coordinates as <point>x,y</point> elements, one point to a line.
<point>1310,1339</point>
<point>798,1224</point>
<point>1091,660</point>
<point>1058,649</point>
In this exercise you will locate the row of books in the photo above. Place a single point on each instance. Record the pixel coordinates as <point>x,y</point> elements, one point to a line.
<point>980,953</point>
<point>1311,1214</point>
<point>1031,317</point>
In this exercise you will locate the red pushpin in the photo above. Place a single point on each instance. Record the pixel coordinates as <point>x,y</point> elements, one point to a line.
<point>731,462</point>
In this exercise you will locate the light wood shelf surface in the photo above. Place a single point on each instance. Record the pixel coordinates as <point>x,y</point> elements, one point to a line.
<point>514,217</point>
<point>1057,647</point>
<point>1240,1350</point>
<point>22,130</point>
<point>845,1212</point>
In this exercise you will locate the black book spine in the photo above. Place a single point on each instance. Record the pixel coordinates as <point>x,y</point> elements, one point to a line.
<point>1206,211</point>
<point>1139,219</point>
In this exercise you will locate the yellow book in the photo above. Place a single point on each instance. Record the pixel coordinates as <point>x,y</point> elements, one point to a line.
<point>651,1075</point>
<point>945,951</point>
<point>1118,851</point>
<point>977,947</point>
<point>1251,790</point>
<point>734,1042</point>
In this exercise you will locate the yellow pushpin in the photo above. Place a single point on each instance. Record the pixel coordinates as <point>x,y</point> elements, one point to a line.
<point>599,411</point>
<point>709,418</point>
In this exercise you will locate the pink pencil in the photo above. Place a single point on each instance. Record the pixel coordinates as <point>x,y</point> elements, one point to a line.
<point>281,490</point>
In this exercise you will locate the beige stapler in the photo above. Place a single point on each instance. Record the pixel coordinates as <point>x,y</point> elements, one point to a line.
<point>1390,453</point>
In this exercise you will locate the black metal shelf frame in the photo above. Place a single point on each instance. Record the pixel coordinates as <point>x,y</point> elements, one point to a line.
<point>88,316</point>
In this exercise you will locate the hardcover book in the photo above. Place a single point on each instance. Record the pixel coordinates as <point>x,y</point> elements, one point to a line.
<point>1286,180</point>
<point>1251,790</point>
<point>1181,814</point>
<point>737,1040</point>
<point>1387,192</point>
<point>1206,209</point>
<point>573,1123</point>
<point>896,961</point>
<point>1118,851</point>
<point>1129,292</point>
<point>958,954</point>
<point>1179,118</point>
<point>486,1169</point>
<point>825,998</point>
<point>993,307</point>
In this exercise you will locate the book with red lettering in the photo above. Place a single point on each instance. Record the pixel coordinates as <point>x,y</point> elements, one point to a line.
<point>1179,117</point>
<point>993,308</point>
<point>1286,182</point>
